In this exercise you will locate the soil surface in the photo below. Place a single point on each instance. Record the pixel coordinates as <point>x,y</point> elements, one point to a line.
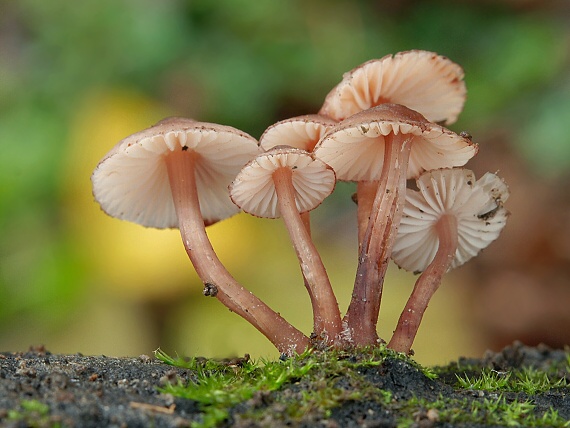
<point>39,389</point>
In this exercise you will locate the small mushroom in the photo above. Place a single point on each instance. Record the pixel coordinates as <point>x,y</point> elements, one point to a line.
<point>385,145</point>
<point>423,81</point>
<point>447,222</point>
<point>301,132</point>
<point>285,182</point>
<point>176,174</point>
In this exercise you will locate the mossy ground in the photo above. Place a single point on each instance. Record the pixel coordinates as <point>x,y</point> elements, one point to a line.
<point>376,387</point>
<point>520,386</point>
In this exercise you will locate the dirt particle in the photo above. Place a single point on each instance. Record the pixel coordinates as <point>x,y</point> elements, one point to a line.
<point>170,377</point>
<point>489,215</point>
<point>144,359</point>
<point>210,290</point>
<point>27,371</point>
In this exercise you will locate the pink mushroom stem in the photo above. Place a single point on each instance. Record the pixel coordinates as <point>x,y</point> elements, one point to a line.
<point>181,172</point>
<point>384,219</point>
<point>326,314</point>
<point>306,218</point>
<point>426,285</point>
<point>365,193</point>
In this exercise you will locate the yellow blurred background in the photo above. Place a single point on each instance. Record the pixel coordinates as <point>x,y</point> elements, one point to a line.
<point>74,80</point>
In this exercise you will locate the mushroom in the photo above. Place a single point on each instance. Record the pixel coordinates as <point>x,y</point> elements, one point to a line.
<point>302,132</point>
<point>285,182</point>
<point>175,174</point>
<point>387,145</point>
<point>447,222</point>
<point>423,81</point>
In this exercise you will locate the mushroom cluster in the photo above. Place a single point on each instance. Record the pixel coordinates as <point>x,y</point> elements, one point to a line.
<point>381,126</point>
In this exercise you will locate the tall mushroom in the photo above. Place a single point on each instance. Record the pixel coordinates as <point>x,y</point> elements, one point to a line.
<point>175,174</point>
<point>423,81</point>
<point>285,182</point>
<point>387,145</point>
<point>448,221</point>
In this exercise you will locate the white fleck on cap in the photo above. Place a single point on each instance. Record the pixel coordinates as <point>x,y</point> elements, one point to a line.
<point>477,206</point>
<point>253,190</point>
<point>131,181</point>
<point>423,81</point>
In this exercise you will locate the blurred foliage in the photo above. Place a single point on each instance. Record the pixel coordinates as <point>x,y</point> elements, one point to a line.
<point>75,80</point>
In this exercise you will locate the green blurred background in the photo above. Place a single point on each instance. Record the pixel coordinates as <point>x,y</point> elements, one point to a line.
<point>75,78</point>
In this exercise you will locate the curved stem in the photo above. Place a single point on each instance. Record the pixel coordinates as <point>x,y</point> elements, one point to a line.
<point>426,285</point>
<point>376,248</point>
<point>217,279</point>
<point>326,314</point>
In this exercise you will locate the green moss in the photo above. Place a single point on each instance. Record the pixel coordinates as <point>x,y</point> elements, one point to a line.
<point>32,413</point>
<point>220,385</point>
<point>532,381</point>
<point>309,387</point>
<point>520,385</point>
<point>528,380</point>
<point>489,380</point>
<point>494,410</point>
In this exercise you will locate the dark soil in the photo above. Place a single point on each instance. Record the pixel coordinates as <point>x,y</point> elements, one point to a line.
<point>40,389</point>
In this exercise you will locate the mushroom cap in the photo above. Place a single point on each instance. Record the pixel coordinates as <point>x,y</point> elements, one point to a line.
<point>477,205</point>
<point>302,132</point>
<point>423,81</point>
<point>253,190</point>
<point>355,147</point>
<point>131,182</point>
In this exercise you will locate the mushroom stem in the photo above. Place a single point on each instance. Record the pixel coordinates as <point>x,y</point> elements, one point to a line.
<point>326,314</point>
<point>181,173</point>
<point>426,285</point>
<point>365,193</point>
<point>306,218</point>
<point>376,247</point>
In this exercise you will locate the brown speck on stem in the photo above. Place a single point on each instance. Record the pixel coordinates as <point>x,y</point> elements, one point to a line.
<point>210,290</point>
